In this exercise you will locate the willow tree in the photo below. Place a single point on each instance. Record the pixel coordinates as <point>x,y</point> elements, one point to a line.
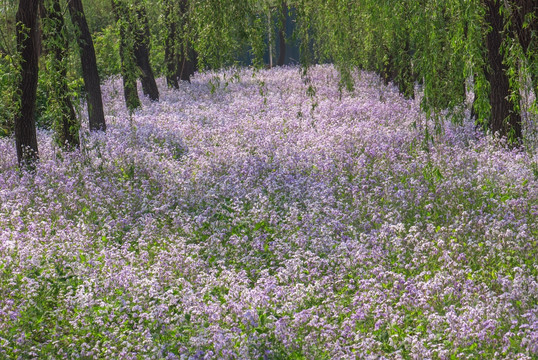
<point>132,22</point>
<point>504,118</point>
<point>439,43</point>
<point>225,29</point>
<point>55,40</point>
<point>129,71</point>
<point>89,66</point>
<point>171,22</point>
<point>522,18</point>
<point>276,12</point>
<point>141,51</point>
<point>27,40</point>
<point>179,53</point>
<point>210,34</point>
<point>282,33</point>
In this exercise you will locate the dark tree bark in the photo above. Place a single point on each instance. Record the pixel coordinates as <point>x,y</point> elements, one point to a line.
<point>187,63</point>
<point>89,67</point>
<point>282,35</point>
<point>521,11</point>
<point>504,119</point>
<point>27,45</point>
<point>170,57</point>
<point>187,57</point>
<point>128,64</point>
<point>57,44</point>
<point>180,56</point>
<point>141,52</point>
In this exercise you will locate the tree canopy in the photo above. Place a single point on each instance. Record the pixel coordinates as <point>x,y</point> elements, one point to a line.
<point>449,50</point>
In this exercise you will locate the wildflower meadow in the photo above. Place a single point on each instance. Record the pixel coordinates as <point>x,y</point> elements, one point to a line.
<point>264,215</point>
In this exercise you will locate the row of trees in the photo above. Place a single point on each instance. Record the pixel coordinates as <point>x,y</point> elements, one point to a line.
<point>56,45</point>
<point>448,47</point>
<point>443,45</point>
<point>196,33</point>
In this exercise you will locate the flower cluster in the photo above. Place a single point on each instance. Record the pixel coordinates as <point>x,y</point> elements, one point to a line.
<point>245,217</point>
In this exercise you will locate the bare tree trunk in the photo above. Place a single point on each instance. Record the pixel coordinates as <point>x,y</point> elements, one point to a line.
<point>187,65</point>
<point>129,72</point>
<point>57,44</point>
<point>187,57</point>
<point>282,35</point>
<point>170,57</point>
<point>89,66</point>
<point>504,119</point>
<point>27,42</point>
<point>141,52</point>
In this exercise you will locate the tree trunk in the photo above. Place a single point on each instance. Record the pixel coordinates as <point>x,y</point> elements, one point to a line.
<point>129,72</point>
<point>170,57</point>
<point>187,57</point>
<point>27,42</point>
<point>141,52</point>
<point>522,11</point>
<point>282,36</point>
<point>57,44</point>
<point>89,67</point>
<point>504,119</point>
<point>187,63</point>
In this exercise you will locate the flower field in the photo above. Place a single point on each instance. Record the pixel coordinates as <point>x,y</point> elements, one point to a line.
<point>244,219</point>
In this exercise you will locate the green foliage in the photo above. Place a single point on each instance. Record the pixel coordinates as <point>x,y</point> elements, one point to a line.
<point>439,45</point>
<point>225,29</point>
<point>46,107</point>
<point>107,51</point>
<point>436,45</point>
<point>128,26</point>
<point>44,117</point>
<point>8,85</point>
<point>98,14</point>
<point>55,109</point>
<point>9,75</point>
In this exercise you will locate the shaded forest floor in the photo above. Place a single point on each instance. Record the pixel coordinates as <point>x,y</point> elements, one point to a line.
<point>242,218</point>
